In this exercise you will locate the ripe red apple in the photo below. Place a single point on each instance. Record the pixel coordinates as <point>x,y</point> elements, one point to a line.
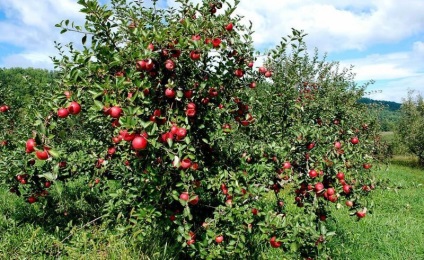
<point>67,94</point>
<point>216,42</point>
<point>139,143</point>
<point>224,189</point>
<point>346,188</point>
<point>286,165</point>
<point>151,47</point>
<point>331,191</point>
<point>62,164</point>
<point>196,37</point>
<point>354,140</point>
<point>310,146</point>
<point>115,111</point>
<point>30,145</point>
<point>262,70</point>
<point>47,184</point>
<point>74,108</point>
<point>313,173</point>
<point>219,239</point>
<point>274,244</point>
<point>42,155</point>
<point>188,93</point>
<point>255,211</point>
<point>181,132</point>
<point>185,163</point>
<point>367,166</point>
<point>62,112</point>
<point>239,73</point>
<point>117,139</point>
<point>319,187</point>
<point>191,112</point>
<point>119,73</point>
<point>111,150</point>
<point>268,74</point>
<point>337,145</point>
<point>32,199</point>
<point>170,65</point>
<point>360,214</point>
<point>250,64</point>
<point>127,136</point>
<point>170,93</point>
<point>229,27</point>
<point>340,176</point>
<point>195,200</point>
<point>184,196</point>
<point>252,85</point>
<point>195,55</point>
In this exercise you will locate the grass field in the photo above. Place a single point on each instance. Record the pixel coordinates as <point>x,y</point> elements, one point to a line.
<point>394,230</point>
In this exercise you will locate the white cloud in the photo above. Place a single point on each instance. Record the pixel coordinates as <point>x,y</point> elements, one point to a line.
<point>397,90</point>
<point>30,25</point>
<point>332,26</point>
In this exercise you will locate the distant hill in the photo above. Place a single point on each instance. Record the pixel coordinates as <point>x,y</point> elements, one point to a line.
<point>389,116</point>
<point>389,105</point>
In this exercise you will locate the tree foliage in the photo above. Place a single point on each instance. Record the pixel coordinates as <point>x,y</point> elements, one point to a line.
<point>410,129</point>
<point>162,113</point>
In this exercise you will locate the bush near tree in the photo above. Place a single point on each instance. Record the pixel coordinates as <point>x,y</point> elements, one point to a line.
<point>163,113</point>
<point>410,129</point>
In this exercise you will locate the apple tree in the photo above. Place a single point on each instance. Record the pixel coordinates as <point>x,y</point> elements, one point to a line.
<point>163,112</point>
<point>409,132</point>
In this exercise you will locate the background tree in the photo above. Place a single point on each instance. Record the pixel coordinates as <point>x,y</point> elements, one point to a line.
<point>410,129</point>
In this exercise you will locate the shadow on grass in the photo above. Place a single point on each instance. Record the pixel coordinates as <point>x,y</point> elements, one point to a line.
<point>406,160</point>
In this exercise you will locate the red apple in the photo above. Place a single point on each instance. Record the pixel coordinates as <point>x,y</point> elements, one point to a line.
<point>229,27</point>
<point>184,196</point>
<point>170,93</point>
<point>216,42</point>
<point>255,211</point>
<point>74,108</point>
<point>139,143</point>
<point>346,188</point>
<point>30,145</point>
<point>274,244</point>
<point>219,239</point>
<point>196,37</point>
<point>62,112</point>
<point>340,176</point>
<point>42,155</point>
<point>181,132</point>
<point>354,140</point>
<point>239,73</point>
<point>32,199</point>
<point>67,94</point>
<point>337,145</point>
<point>195,55</point>
<point>195,200</point>
<point>286,165</point>
<point>268,74</point>
<point>319,187</point>
<point>313,173</point>
<point>185,163</point>
<point>115,111</point>
<point>170,65</point>
<point>360,214</point>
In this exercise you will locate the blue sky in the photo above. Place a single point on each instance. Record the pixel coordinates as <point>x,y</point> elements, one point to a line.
<point>382,39</point>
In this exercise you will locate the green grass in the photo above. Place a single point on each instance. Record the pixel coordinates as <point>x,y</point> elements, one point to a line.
<point>394,230</point>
